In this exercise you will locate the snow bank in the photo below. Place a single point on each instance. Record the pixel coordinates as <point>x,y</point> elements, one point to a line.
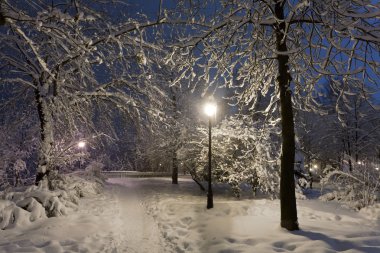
<point>56,196</point>
<point>12,216</point>
<point>371,212</point>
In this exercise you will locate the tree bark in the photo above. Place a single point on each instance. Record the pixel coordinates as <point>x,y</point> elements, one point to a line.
<point>46,132</point>
<point>2,17</point>
<point>288,207</point>
<point>176,137</point>
<point>175,168</point>
<point>356,132</point>
<point>349,150</point>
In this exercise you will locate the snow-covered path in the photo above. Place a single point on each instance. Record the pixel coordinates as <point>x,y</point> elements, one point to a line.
<point>138,231</point>
<point>140,215</point>
<point>115,221</point>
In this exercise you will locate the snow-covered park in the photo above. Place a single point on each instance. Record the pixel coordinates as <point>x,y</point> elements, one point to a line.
<point>152,215</point>
<point>254,126</point>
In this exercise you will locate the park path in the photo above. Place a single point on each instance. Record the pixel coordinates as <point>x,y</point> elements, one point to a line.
<point>137,231</point>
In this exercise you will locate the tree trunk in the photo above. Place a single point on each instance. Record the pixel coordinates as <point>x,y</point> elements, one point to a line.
<point>17,179</point>
<point>356,133</point>
<point>349,151</point>
<point>2,18</point>
<point>175,168</point>
<point>289,218</point>
<point>176,136</point>
<point>46,132</point>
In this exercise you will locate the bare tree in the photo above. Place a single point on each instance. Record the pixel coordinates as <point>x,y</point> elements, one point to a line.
<point>281,48</point>
<point>79,67</point>
<point>347,137</point>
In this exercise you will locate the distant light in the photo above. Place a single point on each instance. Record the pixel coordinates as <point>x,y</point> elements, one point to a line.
<point>315,166</point>
<point>359,162</point>
<point>160,164</point>
<point>81,144</point>
<point>377,168</point>
<point>210,109</point>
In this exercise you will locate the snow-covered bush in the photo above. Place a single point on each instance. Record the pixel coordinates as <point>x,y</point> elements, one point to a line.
<point>19,167</point>
<point>94,169</point>
<point>77,184</point>
<point>12,215</point>
<point>93,176</point>
<point>371,212</point>
<point>241,153</point>
<point>358,188</point>
<point>4,182</point>
<point>55,196</point>
<point>34,203</point>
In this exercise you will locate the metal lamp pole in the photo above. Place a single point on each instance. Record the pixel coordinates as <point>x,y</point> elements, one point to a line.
<point>210,200</point>
<point>210,110</point>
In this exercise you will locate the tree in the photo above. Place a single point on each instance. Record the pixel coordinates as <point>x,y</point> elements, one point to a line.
<point>161,144</point>
<point>19,145</point>
<point>78,68</point>
<point>349,135</point>
<point>281,48</point>
<point>244,154</point>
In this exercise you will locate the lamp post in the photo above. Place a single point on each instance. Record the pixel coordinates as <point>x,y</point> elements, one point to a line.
<point>81,145</point>
<point>210,110</point>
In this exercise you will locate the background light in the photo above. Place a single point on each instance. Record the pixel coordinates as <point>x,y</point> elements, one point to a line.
<point>210,109</point>
<point>81,144</point>
<point>315,166</point>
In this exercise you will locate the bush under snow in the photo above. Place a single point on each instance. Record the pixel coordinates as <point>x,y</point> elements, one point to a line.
<point>56,196</point>
<point>371,212</point>
<point>358,188</point>
<point>243,155</point>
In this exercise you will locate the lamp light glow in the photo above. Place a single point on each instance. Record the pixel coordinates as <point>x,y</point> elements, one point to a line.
<point>210,109</point>
<point>81,144</point>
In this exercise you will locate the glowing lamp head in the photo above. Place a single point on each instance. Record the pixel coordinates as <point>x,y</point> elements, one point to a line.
<point>210,109</point>
<point>359,162</point>
<point>81,144</point>
<point>377,168</point>
<point>315,166</point>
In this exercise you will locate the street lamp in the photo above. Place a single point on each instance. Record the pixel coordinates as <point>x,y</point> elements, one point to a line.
<point>81,145</point>
<point>210,110</point>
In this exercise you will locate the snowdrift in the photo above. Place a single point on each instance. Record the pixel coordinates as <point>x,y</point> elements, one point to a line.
<point>55,196</point>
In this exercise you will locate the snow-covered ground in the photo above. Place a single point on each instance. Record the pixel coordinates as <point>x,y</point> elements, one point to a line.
<point>152,215</point>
